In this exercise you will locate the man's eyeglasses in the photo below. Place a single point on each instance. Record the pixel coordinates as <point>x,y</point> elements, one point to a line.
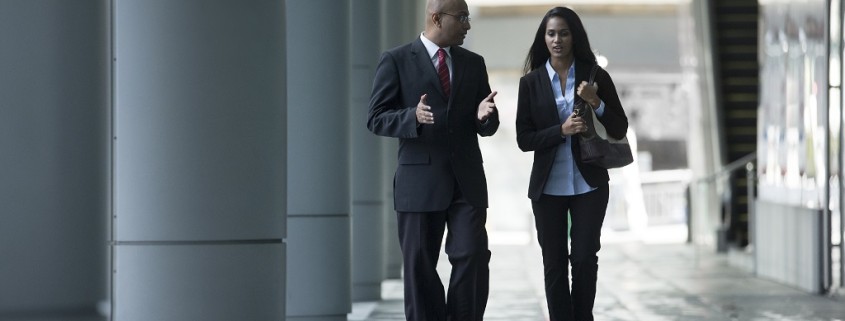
<point>462,18</point>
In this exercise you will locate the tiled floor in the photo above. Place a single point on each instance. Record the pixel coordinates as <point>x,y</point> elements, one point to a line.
<point>637,281</point>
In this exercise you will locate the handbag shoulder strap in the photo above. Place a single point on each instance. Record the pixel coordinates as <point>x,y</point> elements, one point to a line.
<point>592,78</point>
<point>593,74</point>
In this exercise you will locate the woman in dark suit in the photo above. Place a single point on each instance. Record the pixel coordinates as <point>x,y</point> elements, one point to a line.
<point>556,72</point>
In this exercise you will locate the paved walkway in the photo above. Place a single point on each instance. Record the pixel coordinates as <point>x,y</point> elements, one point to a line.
<point>637,281</point>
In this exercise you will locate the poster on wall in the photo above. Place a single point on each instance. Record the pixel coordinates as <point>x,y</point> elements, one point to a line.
<point>792,126</point>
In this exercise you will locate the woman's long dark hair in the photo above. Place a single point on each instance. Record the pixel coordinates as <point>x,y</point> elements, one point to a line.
<point>538,54</point>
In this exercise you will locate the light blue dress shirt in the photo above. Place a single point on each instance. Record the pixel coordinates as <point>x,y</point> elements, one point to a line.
<point>565,179</point>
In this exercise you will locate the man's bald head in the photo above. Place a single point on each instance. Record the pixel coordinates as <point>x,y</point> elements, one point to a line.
<point>450,31</point>
<point>438,6</point>
<point>433,6</point>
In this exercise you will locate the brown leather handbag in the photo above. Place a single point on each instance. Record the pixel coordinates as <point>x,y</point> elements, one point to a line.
<point>598,148</point>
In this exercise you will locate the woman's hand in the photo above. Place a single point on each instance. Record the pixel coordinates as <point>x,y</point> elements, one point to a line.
<point>588,93</point>
<point>573,125</point>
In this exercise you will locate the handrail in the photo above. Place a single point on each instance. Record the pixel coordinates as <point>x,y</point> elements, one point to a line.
<point>729,168</point>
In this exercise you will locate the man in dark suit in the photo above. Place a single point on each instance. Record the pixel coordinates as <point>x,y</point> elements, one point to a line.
<point>435,97</point>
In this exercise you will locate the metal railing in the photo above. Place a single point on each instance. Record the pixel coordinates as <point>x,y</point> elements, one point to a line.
<point>715,188</point>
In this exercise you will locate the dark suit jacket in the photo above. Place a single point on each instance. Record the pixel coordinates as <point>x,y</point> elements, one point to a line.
<point>432,158</point>
<point>538,124</point>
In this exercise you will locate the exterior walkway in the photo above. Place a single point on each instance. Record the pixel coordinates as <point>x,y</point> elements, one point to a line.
<point>637,281</point>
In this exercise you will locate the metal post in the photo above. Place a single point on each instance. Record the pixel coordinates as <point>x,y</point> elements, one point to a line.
<point>751,185</point>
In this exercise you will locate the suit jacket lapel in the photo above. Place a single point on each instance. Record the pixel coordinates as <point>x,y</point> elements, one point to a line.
<point>458,69</point>
<point>426,68</point>
<point>582,73</point>
<point>548,94</point>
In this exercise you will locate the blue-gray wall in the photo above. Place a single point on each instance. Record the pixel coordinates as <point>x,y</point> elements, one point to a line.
<point>54,165</point>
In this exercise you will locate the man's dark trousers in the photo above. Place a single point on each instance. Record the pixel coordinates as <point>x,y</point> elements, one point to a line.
<point>420,237</point>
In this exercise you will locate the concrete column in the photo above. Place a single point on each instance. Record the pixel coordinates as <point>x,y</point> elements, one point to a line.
<point>368,241</point>
<point>319,262</point>
<point>199,160</point>
<point>54,158</point>
<point>403,21</point>
<point>400,27</point>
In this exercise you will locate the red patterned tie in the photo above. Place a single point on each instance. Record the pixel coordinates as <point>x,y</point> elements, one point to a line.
<point>443,72</point>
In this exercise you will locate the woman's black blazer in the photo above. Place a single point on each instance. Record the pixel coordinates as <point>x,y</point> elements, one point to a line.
<point>538,124</point>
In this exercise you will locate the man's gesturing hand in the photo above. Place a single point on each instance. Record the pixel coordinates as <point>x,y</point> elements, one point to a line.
<point>487,107</point>
<point>424,114</point>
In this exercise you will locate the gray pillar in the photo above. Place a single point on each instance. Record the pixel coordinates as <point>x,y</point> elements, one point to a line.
<point>199,160</point>
<point>392,251</point>
<point>400,27</point>
<point>367,191</point>
<point>319,262</point>
<point>54,107</point>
